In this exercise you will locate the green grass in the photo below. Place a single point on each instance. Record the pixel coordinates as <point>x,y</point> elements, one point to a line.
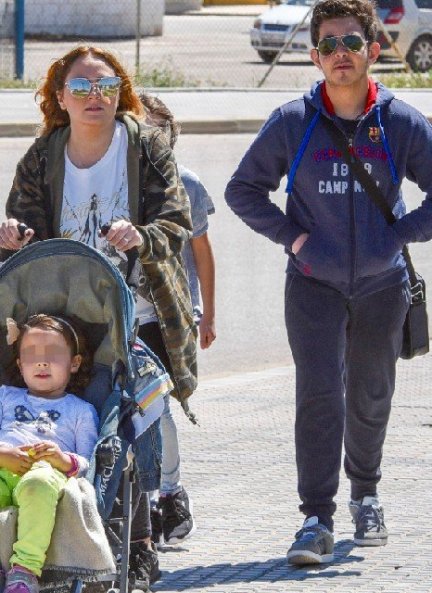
<point>13,83</point>
<point>163,75</point>
<point>403,80</point>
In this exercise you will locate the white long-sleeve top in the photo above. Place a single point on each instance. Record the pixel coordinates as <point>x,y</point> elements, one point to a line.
<point>68,421</point>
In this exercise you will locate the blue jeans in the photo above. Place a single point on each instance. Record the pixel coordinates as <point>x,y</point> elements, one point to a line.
<point>147,447</point>
<point>170,476</point>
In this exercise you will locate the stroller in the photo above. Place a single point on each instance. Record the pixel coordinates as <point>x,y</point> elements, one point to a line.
<point>66,277</point>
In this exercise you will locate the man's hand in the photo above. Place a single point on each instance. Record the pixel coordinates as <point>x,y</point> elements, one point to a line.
<point>10,237</point>
<point>299,242</point>
<point>50,452</point>
<point>15,459</point>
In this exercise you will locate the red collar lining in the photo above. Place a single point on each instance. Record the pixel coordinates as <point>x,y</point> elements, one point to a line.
<point>370,99</point>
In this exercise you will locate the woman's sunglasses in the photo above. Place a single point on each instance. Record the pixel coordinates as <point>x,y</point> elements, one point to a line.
<point>353,43</point>
<point>81,88</point>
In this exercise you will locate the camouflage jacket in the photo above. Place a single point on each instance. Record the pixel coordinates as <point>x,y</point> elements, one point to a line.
<point>159,208</point>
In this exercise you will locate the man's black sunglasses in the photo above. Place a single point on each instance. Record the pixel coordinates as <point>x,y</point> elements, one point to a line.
<point>352,42</point>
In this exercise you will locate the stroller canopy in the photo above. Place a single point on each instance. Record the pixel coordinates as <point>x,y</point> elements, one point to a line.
<point>66,277</point>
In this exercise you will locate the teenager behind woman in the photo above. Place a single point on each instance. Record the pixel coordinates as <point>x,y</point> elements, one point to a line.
<point>95,164</point>
<point>47,435</point>
<point>172,514</point>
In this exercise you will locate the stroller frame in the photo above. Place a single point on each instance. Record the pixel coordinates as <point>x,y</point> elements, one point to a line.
<point>20,299</point>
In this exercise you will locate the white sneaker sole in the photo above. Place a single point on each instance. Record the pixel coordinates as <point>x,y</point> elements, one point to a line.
<point>174,541</point>
<point>302,557</point>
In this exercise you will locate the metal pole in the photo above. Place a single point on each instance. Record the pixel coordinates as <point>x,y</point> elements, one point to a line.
<point>19,38</point>
<point>286,44</point>
<point>138,38</point>
<point>395,47</point>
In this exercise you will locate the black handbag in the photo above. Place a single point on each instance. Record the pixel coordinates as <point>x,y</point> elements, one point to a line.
<point>415,340</point>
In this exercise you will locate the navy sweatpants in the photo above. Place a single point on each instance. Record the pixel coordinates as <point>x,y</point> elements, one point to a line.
<point>345,352</point>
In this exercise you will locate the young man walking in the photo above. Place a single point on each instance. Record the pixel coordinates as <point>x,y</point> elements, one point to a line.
<point>347,290</point>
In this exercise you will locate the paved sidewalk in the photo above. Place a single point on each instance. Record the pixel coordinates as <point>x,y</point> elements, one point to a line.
<point>239,466</point>
<point>199,111</point>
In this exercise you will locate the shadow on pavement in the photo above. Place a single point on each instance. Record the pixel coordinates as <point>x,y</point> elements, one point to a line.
<point>273,570</point>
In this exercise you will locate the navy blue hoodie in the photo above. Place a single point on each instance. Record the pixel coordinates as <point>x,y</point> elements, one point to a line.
<point>350,247</point>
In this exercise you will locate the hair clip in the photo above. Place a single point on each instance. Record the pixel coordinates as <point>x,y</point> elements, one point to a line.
<point>13,331</point>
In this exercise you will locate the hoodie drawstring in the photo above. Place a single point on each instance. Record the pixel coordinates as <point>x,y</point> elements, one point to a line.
<point>300,152</point>
<point>307,136</point>
<point>392,166</point>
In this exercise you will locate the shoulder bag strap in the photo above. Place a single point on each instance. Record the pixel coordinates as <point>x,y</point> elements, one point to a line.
<point>369,185</point>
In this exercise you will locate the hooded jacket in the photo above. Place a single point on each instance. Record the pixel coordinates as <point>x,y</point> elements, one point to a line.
<point>350,246</point>
<point>159,208</point>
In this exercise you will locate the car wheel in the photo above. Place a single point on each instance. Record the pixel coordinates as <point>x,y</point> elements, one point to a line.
<point>419,56</point>
<point>267,56</point>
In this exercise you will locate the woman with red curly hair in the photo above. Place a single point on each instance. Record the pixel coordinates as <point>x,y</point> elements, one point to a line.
<point>95,163</point>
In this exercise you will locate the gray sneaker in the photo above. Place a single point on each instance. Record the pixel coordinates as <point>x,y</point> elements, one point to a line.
<point>313,544</point>
<point>368,517</point>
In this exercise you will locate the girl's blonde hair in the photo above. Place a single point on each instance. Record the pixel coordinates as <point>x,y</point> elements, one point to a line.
<point>53,116</point>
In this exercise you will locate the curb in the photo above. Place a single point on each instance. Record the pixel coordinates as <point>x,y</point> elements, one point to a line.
<point>188,126</point>
<point>204,126</point>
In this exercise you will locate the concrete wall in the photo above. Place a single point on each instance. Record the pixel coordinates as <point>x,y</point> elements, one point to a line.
<point>179,6</point>
<point>93,18</point>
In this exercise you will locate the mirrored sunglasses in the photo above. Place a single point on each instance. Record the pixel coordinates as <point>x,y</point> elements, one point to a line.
<point>353,43</point>
<point>81,88</point>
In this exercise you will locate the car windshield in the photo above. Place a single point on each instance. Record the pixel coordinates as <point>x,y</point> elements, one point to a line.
<point>299,2</point>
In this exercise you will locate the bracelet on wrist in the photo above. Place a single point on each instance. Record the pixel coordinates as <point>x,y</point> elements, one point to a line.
<point>75,466</point>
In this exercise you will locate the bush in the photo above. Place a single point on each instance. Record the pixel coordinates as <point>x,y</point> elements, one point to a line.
<point>164,75</point>
<point>403,80</point>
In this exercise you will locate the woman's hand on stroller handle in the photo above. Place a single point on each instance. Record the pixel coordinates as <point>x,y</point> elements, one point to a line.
<point>122,235</point>
<point>14,234</point>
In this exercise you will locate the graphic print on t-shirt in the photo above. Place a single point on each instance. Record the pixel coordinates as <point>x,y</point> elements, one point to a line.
<point>97,196</point>
<point>43,422</point>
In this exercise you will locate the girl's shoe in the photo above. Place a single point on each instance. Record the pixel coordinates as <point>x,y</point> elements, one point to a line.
<point>21,580</point>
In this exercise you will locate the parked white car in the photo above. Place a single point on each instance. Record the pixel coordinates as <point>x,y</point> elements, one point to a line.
<point>409,23</point>
<point>273,27</point>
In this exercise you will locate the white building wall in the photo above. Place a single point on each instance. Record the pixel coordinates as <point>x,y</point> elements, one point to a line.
<point>93,18</point>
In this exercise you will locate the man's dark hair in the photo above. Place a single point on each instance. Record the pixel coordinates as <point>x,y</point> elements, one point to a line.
<point>362,10</point>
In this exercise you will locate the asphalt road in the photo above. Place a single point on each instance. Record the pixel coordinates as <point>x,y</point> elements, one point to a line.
<point>194,51</point>
<point>250,269</point>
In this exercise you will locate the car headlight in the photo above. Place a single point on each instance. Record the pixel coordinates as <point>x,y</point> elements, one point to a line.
<point>257,24</point>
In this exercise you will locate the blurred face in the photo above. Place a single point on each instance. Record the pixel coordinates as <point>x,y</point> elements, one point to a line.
<point>344,67</point>
<point>46,362</point>
<point>98,107</point>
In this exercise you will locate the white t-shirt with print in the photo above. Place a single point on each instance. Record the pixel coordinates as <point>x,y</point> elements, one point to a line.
<point>96,196</point>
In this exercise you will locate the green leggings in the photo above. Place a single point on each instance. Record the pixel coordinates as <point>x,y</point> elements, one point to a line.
<point>36,495</point>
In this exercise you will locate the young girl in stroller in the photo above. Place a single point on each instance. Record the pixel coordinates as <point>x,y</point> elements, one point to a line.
<point>47,435</point>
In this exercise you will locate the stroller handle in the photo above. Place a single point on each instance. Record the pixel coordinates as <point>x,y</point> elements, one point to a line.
<point>22,228</point>
<point>132,273</point>
<point>133,267</point>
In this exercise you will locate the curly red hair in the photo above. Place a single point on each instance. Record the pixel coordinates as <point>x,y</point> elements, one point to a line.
<point>53,116</point>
